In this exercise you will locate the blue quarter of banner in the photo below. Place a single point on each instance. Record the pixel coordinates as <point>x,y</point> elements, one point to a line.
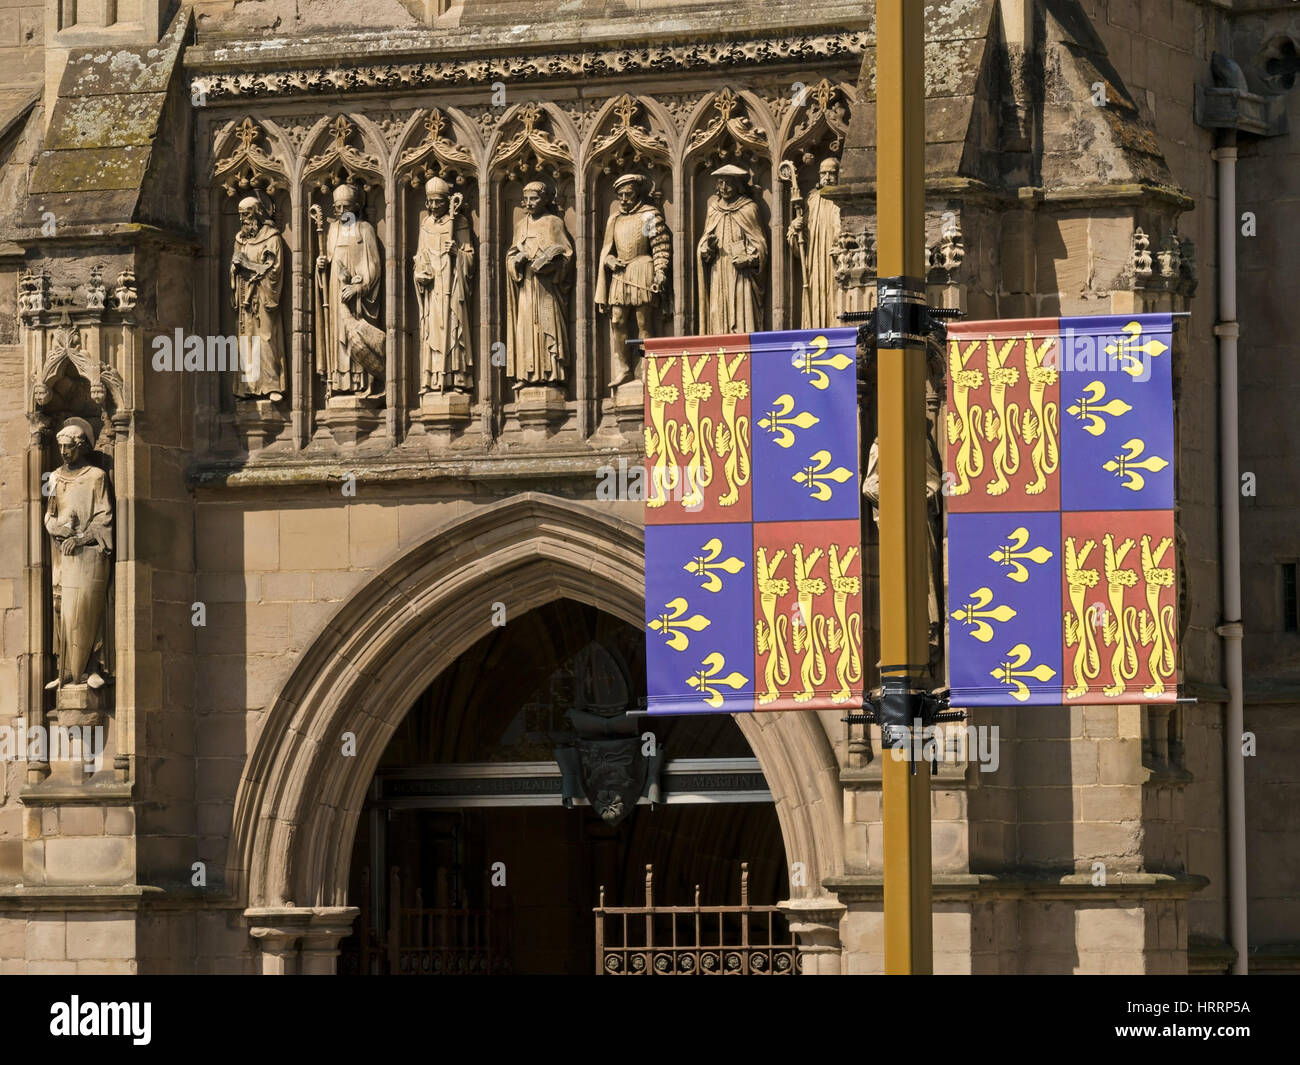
<point>753,545</point>
<point>1117,418</point>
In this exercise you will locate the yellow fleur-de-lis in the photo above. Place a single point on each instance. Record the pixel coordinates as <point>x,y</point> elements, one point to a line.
<point>777,421</point>
<point>1010,672</point>
<point>1009,555</point>
<point>1089,408</point>
<point>1126,466</point>
<point>973,614</point>
<point>808,360</point>
<point>1129,352</point>
<point>706,679</point>
<point>815,475</point>
<point>703,565</point>
<point>673,620</point>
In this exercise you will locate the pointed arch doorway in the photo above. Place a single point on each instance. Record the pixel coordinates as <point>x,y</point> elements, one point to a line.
<point>299,805</point>
<point>483,866</point>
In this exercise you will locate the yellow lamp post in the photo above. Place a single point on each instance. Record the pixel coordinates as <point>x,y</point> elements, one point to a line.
<point>901,357</point>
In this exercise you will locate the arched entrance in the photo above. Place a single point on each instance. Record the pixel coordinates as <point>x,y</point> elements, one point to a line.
<point>301,797</point>
<point>518,790</point>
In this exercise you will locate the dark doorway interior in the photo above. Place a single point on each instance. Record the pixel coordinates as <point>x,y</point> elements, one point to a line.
<point>510,884</point>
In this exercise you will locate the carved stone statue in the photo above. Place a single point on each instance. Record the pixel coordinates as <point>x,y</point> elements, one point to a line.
<point>816,232</point>
<point>730,259</point>
<point>444,261</point>
<point>349,268</point>
<point>537,264</point>
<point>256,277</point>
<point>633,270</point>
<point>79,519</point>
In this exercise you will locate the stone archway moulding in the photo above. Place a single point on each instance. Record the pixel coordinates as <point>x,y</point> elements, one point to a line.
<point>299,799</point>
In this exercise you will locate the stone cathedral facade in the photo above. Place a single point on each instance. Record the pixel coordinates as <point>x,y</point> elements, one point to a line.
<point>318,330</point>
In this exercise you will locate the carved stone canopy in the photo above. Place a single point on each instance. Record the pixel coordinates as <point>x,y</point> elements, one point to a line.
<point>532,148</point>
<point>341,161</point>
<point>826,111</point>
<point>730,134</point>
<point>629,138</point>
<point>437,154</point>
<point>248,167</point>
<point>71,382</point>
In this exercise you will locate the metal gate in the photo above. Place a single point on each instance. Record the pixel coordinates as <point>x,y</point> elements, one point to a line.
<point>695,940</point>
<point>430,941</point>
<point>646,940</point>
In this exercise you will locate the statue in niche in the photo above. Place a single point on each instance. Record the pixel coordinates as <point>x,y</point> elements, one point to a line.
<point>537,265</point>
<point>633,270</point>
<point>79,520</point>
<point>731,256</point>
<point>444,261</point>
<point>349,268</point>
<point>815,231</point>
<point>256,279</point>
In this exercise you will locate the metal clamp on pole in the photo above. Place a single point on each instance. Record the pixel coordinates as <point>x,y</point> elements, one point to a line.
<point>902,322</point>
<point>902,315</point>
<point>900,709</point>
<point>927,707</point>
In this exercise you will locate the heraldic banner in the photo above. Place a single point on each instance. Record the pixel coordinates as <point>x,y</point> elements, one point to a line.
<point>1060,493</point>
<point>753,558</point>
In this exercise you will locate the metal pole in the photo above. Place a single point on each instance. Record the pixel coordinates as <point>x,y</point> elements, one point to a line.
<point>904,622</point>
<point>1231,629</point>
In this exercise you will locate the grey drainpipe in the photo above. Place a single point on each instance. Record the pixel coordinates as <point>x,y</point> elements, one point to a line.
<point>1234,722</point>
<point>1229,107</point>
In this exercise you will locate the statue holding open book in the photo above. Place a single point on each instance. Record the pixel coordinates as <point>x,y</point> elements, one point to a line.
<point>538,264</point>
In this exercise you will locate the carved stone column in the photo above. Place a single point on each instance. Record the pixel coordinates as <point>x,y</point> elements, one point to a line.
<point>300,940</point>
<point>320,944</point>
<point>816,922</point>
<point>279,949</point>
<point>277,931</point>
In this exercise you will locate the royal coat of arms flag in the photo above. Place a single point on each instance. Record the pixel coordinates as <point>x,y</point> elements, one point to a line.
<point>1059,485</point>
<point>753,555</point>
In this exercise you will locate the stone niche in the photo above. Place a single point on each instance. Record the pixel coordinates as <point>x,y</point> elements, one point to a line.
<point>348,229</point>
<point>250,172</point>
<point>726,134</point>
<point>555,381</point>
<point>444,336</point>
<point>632,140</point>
<point>78,405</point>
<point>537,398</point>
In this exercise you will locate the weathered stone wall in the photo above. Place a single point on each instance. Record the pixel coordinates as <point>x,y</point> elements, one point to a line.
<point>273,571</point>
<point>272,549</point>
<point>21,58</point>
<point>1268,186</point>
<point>22,43</point>
<point>1162,50</point>
<point>600,18</point>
